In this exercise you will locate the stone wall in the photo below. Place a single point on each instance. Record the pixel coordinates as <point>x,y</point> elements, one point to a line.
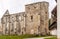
<point>37,18</point>
<point>13,23</point>
<point>33,21</point>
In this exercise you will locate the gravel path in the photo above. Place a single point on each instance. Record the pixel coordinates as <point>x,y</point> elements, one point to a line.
<point>40,37</point>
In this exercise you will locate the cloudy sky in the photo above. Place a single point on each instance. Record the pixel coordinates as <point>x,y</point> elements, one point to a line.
<point>15,6</point>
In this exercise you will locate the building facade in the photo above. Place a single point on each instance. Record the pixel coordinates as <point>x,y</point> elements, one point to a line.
<point>35,20</point>
<point>13,23</point>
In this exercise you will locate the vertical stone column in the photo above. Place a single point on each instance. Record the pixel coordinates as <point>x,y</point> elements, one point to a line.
<point>12,24</point>
<point>44,22</point>
<point>17,25</point>
<point>3,29</point>
<point>8,25</point>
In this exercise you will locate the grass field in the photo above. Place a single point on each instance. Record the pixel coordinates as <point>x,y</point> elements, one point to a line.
<point>10,37</point>
<point>22,36</point>
<point>16,36</point>
<point>52,38</point>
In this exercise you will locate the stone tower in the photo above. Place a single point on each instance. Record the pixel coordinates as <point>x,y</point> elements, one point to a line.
<point>37,18</point>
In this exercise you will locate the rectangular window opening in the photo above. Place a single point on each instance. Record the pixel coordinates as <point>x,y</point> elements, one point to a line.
<point>31,18</point>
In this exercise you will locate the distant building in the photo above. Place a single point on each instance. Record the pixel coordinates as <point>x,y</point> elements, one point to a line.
<point>35,20</point>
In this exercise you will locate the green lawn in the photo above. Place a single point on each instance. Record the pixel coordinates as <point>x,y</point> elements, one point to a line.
<point>22,36</point>
<point>16,36</point>
<point>52,38</point>
<point>10,37</point>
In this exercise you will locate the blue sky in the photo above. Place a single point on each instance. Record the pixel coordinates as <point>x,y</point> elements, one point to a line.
<point>15,6</point>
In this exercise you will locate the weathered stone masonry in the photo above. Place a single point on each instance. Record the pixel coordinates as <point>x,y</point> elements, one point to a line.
<point>37,18</point>
<point>13,23</point>
<point>33,21</point>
